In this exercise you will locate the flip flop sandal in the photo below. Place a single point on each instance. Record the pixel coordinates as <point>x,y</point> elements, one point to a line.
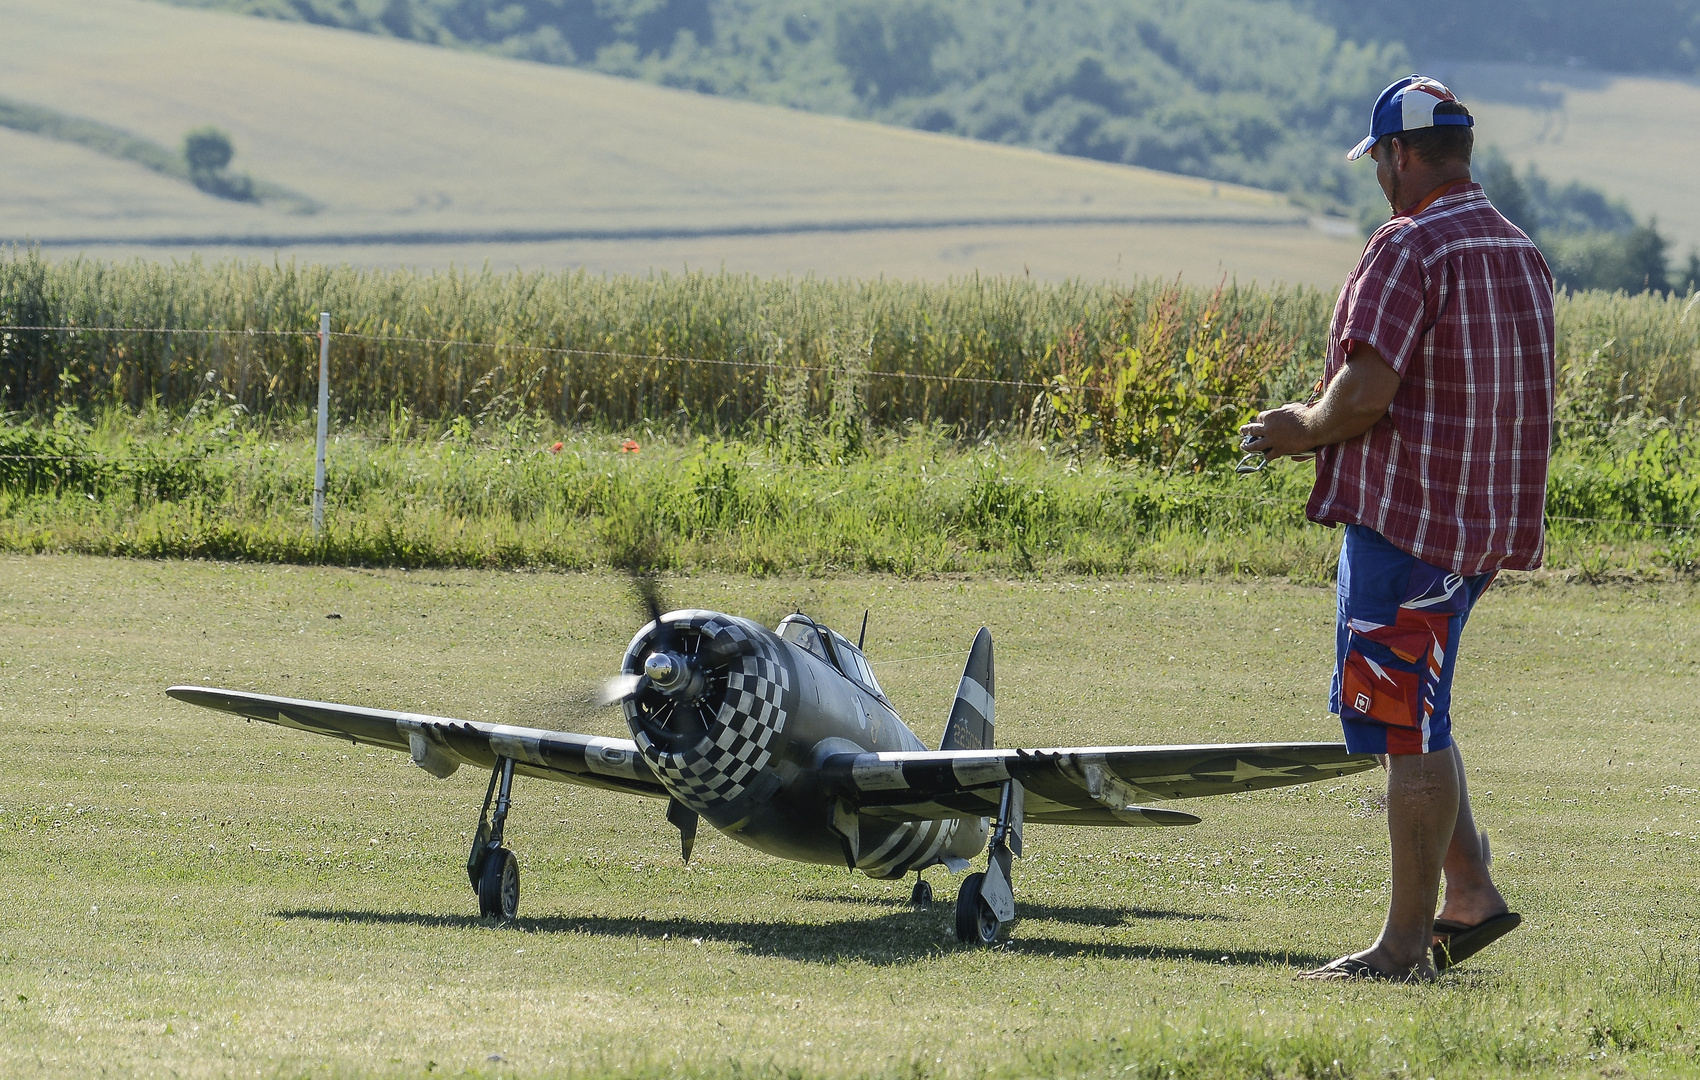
<point>1350,967</point>
<point>1459,942</point>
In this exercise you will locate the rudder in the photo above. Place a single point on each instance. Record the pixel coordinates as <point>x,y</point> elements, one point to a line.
<point>971,716</point>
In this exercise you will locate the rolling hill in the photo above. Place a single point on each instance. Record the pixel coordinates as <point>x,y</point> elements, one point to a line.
<point>426,156</point>
<point>1627,135</point>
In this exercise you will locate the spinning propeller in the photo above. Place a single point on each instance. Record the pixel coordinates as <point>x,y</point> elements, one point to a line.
<point>677,669</point>
<point>666,668</point>
<point>666,697</point>
<point>669,697</point>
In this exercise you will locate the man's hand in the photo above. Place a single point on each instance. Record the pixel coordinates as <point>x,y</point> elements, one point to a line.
<point>1282,432</point>
<point>1354,401</point>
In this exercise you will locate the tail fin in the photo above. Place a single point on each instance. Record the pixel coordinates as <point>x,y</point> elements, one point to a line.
<point>971,720</point>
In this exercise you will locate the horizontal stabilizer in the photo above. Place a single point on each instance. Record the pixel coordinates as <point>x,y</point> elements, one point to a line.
<point>1096,785</point>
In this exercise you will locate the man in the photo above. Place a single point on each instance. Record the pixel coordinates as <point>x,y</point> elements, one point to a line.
<point>1431,440</point>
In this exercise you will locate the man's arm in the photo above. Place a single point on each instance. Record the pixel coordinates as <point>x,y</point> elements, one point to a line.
<point>1353,402</point>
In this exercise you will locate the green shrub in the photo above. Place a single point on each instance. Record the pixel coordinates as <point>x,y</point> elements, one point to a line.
<point>34,461</point>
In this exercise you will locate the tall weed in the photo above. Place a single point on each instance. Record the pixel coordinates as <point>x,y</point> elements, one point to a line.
<point>909,503</point>
<point>1165,389</point>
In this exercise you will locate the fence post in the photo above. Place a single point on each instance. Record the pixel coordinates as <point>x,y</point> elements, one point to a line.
<point>324,422</point>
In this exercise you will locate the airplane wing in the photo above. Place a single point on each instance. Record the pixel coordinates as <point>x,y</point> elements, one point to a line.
<point>1098,785</point>
<point>441,745</point>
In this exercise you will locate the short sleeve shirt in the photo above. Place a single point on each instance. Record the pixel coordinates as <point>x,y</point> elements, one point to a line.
<point>1459,301</point>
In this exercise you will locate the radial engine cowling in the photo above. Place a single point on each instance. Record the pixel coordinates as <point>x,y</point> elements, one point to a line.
<point>716,693</point>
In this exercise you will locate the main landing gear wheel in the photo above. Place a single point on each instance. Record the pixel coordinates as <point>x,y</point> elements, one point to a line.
<point>922,894</point>
<point>491,867</point>
<point>975,922</point>
<point>498,885</point>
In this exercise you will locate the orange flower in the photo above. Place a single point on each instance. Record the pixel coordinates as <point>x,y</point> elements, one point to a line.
<point>628,447</point>
<point>557,448</point>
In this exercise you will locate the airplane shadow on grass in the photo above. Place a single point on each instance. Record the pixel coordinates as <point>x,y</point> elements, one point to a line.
<point>906,935</point>
<point>1087,914</point>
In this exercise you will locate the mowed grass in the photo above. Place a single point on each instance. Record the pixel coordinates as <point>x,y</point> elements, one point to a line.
<point>190,895</point>
<point>425,156</point>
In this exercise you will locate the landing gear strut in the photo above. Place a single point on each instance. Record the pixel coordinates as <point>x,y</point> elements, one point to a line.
<point>986,902</point>
<point>492,868</point>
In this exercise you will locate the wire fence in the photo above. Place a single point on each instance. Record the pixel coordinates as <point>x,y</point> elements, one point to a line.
<point>312,337</point>
<point>487,391</point>
<point>845,368</point>
<point>265,370</point>
<point>270,365</point>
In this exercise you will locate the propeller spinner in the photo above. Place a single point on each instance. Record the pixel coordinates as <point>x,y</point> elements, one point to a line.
<point>673,675</point>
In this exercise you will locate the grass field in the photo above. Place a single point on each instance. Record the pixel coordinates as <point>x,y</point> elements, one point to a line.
<point>192,896</point>
<point>423,156</point>
<point>915,506</point>
<point>803,502</point>
<point>1612,132</point>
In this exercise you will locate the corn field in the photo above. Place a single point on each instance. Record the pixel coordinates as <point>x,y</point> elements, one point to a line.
<point>702,352</point>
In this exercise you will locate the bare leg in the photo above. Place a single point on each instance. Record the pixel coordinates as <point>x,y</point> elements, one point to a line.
<point>1422,815</point>
<point>1471,895</point>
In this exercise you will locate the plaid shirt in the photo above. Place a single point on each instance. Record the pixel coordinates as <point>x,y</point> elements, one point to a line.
<point>1459,302</point>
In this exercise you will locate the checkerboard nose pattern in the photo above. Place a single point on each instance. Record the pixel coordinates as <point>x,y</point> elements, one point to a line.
<point>744,708</point>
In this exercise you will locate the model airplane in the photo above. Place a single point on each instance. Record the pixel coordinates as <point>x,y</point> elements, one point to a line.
<point>785,742</point>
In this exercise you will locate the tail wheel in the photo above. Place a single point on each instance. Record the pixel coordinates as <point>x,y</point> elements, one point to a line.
<point>498,885</point>
<point>975,923</point>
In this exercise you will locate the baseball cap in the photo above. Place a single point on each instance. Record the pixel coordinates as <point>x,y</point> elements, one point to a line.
<point>1415,101</point>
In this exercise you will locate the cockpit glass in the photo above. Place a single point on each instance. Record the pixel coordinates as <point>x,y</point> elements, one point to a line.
<point>857,664</point>
<point>801,632</point>
<point>803,635</point>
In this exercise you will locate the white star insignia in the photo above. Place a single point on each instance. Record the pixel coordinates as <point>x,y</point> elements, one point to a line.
<point>1244,771</point>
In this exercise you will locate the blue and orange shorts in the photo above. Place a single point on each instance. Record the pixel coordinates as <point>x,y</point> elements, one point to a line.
<point>1396,643</point>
